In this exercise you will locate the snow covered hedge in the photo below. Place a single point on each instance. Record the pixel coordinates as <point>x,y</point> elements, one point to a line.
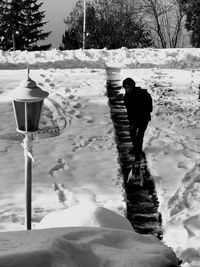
<point>94,58</point>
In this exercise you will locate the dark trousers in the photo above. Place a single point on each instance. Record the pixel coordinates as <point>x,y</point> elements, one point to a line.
<point>137,130</point>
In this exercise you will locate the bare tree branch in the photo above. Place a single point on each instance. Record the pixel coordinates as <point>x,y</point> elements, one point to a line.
<point>165,20</point>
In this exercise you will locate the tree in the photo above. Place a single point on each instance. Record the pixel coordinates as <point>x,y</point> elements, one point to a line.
<point>165,20</point>
<point>21,25</point>
<point>192,10</point>
<point>10,23</point>
<point>109,23</point>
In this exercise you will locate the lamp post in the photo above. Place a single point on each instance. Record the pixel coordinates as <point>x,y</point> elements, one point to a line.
<point>14,35</point>
<point>27,103</point>
<point>84,22</point>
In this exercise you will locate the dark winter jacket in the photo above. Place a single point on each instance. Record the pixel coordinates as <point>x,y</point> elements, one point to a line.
<point>139,105</point>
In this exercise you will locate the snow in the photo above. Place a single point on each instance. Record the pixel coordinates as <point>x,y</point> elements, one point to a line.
<point>83,246</point>
<point>99,58</point>
<point>84,157</point>
<point>85,215</point>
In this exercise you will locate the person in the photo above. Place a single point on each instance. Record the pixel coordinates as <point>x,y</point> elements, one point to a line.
<point>139,106</point>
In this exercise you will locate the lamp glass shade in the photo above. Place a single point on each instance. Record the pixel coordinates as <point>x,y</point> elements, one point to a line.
<point>27,115</point>
<point>19,108</point>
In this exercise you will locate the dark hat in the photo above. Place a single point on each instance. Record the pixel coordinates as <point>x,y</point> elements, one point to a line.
<point>128,81</point>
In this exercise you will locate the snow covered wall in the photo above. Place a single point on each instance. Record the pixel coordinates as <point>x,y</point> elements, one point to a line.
<point>94,58</point>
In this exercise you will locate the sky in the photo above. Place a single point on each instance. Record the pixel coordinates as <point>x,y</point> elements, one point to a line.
<point>56,11</point>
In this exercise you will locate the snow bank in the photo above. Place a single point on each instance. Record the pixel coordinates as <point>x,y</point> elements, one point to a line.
<point>88,215</point>
<point>74,247</point>
<point>98,58</point>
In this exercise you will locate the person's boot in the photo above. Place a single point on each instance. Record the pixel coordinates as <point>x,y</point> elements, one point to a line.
<point>137,157</point>
<point>137,168</point>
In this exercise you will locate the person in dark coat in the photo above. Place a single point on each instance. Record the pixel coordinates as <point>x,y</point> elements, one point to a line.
<point>139,106</point>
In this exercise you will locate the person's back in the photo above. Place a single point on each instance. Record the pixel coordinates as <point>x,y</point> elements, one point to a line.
<point>138,104</point>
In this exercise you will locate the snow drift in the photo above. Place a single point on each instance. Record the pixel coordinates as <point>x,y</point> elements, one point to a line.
<point>77,247</point>
<point>94,58</point>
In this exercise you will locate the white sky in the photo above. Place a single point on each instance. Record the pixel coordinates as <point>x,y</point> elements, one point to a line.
<point>56,11</point>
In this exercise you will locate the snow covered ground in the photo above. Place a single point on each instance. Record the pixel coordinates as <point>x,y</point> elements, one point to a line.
<point>84,156</point>
<point>83,246</point>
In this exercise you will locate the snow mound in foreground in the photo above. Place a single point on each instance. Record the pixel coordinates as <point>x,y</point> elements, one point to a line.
<point>88,215</point>
<point>91,247</point>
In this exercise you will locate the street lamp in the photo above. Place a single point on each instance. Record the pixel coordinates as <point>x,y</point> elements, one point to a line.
<point>27,103</point>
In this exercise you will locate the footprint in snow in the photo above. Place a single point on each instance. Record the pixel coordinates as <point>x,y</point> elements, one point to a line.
<point>83,142</point>
<point>72,97</point>
<point>89,119</point>
<point>73,112</point>
<point>75,148</point>
<point>110,131</point>
<point>52,84</point>
<point>59,166</point>
<point>67,90</point>
<point>79,116</point>
<point>77,105</point>
<point>181,165</point>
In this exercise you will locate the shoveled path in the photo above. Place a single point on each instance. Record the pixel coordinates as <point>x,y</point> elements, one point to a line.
<point>142,201</point>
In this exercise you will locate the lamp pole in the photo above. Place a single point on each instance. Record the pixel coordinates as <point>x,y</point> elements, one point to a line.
<point>84,22</point>
<point>13,41</point>
<point>27,103</point>
<point>27,145</point>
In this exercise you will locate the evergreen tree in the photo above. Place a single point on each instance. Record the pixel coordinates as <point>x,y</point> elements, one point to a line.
<point>109,23</point>
<point>21,25</point>
<point>192,24</point>
<point>10,24</point>
<point>33,28</point>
